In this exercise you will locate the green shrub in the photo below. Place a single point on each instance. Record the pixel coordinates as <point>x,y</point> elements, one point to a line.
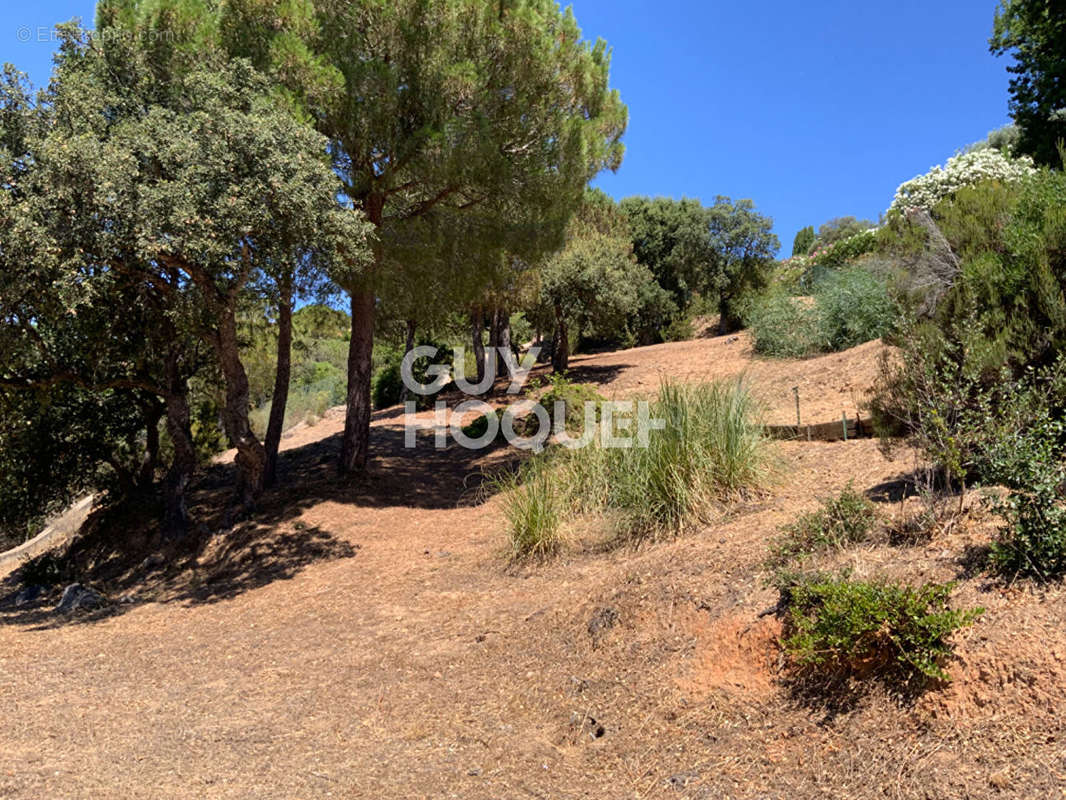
<point>573,397</point>
<point>844,251</point>
<point>1029,461</point>
<point>387,388</point>
<point>521,330</point>
<point>853,306</point>
<point>782,326</point>
<point>680,329</point>
<point>838,629</point>
<point>840,522</point>
<point>980,388</point>
<point>480,426</point>
<point>387,385</point>
<point>804,240</point>
<point>1034,542</point>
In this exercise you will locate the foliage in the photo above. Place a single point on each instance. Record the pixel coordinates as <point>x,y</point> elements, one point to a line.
<point>849,306</point>
<point>843,251</point>
<point>998,430</point>
<point>1004,139</point>
<point>521,330</point>
<point>1034,33</point>
<point>574,398</point>
<point>840,228</point>
<point>1033,543</point>
<point>965,169</point>
<point>787,275</point>
<point>853,306</point>
<point>55,444</point>
<point>744,245</point>
<point>672,239</point>
<point>594,281</point>
<point>995,332</point>
<point>837,629</point>
<point>682,329</point>
<point>480,425</point>
<point>803,242</point>
<point>782,325</point>
<point>1031,461</point>
<point>594,287</point>
<point>839,522</point>
<point>388,388</point>
<point>719,251</point>
<point>656,313</point>
<point>712,450</point>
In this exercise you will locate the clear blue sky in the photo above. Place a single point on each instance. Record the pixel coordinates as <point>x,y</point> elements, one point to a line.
<point>812,109</point>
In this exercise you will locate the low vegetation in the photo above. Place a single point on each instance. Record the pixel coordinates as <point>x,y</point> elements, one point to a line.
<point>534,511</point>
<point>847,306</point>
<point>841,521</point>
<point>837,629</point>
<point>711,451</point>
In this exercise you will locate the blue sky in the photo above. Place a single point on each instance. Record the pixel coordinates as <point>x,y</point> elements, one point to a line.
<point>812,109</point>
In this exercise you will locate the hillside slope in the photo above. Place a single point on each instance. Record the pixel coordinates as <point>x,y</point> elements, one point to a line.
<point>368,639</point>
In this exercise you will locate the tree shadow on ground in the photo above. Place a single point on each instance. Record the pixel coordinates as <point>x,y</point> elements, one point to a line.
<point>120,552</point>
<point>896,490</point>
<point>913,484</point>
<point>602,374</point>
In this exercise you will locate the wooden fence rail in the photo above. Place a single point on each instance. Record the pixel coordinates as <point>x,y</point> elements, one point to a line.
<point>841,430</point>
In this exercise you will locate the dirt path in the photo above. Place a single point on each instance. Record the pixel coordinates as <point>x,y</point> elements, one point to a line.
<point>368,640</point>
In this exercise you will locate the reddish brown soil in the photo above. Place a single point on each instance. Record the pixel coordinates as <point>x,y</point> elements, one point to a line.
<point>369,639</point>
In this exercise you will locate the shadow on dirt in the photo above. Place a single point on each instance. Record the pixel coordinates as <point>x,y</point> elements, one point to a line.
<point>913,484</point>
<point>120,553</point>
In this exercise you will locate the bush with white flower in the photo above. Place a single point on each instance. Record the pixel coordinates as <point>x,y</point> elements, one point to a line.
<point>965,169</point>
<point>844,251</point>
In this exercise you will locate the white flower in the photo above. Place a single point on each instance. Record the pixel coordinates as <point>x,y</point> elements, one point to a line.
<point>925,191</point>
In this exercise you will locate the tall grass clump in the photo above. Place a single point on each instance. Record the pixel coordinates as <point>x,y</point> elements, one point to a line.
<point>533,507</point>
<point>711,450</point>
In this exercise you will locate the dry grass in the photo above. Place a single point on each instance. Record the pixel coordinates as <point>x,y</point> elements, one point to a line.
<point>415,664</point>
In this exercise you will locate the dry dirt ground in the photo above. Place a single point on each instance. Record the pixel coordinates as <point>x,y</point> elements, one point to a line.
<point>369,639</point>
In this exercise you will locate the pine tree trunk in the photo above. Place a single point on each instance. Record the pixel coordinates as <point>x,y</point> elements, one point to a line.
<point>179,428</point>
<point>491,357</point>
<point>355,443</point>
<point>477,324</point>
<point>355,446</point>
<point>409,345</point>
<point>561,351</point>
<point>503,340</point>
<point>726,323</point>
<point>282,377</point>
<point>251,455</point>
